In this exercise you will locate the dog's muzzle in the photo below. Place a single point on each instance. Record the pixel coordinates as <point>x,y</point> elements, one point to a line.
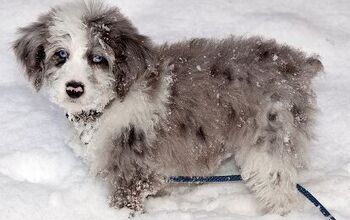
<point>74,89</point>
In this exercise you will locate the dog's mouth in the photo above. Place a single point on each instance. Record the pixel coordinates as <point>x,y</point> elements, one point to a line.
<point>89,112</point>
<point>84,116</point>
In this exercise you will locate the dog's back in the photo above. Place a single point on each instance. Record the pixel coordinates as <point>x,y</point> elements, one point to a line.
<point>224,90</point>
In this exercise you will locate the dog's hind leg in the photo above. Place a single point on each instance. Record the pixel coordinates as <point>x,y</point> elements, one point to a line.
<point>270,161</point>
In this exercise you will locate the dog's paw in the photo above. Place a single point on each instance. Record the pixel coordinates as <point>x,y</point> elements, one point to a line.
<point>132,194</point>
<point>281,204</point>
<point>127,198</point>
<point>279,199</point>
<point>276,191</point>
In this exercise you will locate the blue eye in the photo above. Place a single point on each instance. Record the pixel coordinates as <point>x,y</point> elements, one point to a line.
<point>62,54</point>
<point>97,59</point>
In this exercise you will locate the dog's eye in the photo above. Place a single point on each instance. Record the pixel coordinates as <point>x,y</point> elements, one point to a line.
<point>98,59</point>
<point>62,54</point>
<point>61,57</point>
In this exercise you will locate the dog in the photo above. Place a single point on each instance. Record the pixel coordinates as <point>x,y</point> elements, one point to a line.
<point>142,111</point>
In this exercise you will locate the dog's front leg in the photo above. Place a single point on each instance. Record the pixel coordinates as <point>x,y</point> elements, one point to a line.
<point>132,193</point>
<point>129,172</point>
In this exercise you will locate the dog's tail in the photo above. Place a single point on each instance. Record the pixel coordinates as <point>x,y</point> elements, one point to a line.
<point>313,66</point>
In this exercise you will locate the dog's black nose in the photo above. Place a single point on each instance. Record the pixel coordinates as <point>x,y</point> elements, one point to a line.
<point>74,89</point>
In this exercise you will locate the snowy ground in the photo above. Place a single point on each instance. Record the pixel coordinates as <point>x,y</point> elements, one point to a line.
<point>40,177</point>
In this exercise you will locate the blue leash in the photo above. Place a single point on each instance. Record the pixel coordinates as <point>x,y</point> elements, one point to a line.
<point>230,178</point>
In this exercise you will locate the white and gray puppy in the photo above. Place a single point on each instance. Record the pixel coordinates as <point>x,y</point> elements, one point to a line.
<point>144,111</point>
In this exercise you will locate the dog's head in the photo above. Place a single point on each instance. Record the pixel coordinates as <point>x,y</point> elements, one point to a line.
<point>84,53</point>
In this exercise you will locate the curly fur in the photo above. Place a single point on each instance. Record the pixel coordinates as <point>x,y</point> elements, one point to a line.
<point>153,110</point>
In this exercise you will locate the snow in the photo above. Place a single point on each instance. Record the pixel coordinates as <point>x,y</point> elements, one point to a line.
<point>41,178</point>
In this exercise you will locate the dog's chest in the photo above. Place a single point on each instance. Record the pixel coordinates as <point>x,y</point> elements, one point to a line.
<point>86,124</point>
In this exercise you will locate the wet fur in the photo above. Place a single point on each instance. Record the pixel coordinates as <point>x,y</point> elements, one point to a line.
<point>184,108</point>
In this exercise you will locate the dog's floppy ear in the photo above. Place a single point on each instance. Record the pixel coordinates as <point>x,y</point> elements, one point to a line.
<point>29,49</point>
<point>133,56</point>
<point>132,51</point>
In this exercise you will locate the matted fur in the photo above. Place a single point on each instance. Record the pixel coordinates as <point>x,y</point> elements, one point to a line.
<point>151,111</point>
